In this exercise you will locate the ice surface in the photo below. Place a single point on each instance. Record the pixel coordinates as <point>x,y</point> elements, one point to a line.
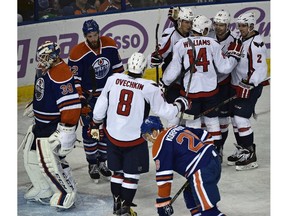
<point>242,192</point>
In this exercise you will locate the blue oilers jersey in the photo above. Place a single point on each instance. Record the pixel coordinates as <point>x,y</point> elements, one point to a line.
<point>180,149</point>
<point>90,66</point>
<point>55,97</point>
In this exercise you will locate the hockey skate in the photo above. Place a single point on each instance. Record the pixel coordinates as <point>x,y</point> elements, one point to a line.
<point>248,159</point>
<point>127,211</point>
<point>232,159</point>
<point>94,172</point>
<point>104,171</point>
<point>117,205</point>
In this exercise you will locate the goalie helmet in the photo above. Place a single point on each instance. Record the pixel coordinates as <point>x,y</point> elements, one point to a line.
<point>90,26</point>
<point>222,17</point>
<point>246,18</point>
<point>200,23</point>
<point>151,123</point>
<point>137,63</point>
<point>47,54</point>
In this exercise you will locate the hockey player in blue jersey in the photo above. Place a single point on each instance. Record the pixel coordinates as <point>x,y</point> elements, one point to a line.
<point>191,153</point>
<point>92,62</point>
<point>56,110</point>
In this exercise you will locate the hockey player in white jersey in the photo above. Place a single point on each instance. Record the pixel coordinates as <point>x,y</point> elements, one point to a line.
<point>123,104</point>
<point>182,18</point>
<point>201,57</point>
<point>246,79</point>
<point>224,36</point>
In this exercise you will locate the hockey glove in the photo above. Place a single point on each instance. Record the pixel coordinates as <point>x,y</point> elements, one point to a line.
<point>163,206</point>
<point>86,108</point>
<point>182,104</point>
<point>28,111</point>
<point>235,49</point>
<point>96,130</point>
<point>66,136</point>
<point>173,13</point>
<point>243,90</point>
<point>156,59</point>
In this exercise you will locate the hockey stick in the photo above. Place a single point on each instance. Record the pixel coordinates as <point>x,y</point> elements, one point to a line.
<point>179,192</point>
<point>216,108</point>
<point>157,46</point>
<point>192,70</point>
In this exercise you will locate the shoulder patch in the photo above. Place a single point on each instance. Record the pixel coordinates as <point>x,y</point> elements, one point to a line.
<point>107,41</point>
<point>258,44</point>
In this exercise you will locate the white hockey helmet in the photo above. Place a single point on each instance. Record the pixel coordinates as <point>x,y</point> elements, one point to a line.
<point>222,17</point>
<point>246,18</point>
<point>47,54</point>
<point>137,63</point>
<point>185,14</point>
<point>200,23</point>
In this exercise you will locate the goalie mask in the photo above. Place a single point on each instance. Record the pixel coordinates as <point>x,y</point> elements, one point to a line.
<point>200,24</point>
<point>137,63</point>
<point>47,54</point>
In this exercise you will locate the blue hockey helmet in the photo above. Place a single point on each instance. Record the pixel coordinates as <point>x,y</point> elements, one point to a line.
<point>151,123</point>
<point>90,26</point>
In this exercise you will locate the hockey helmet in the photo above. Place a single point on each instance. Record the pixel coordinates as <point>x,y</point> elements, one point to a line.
<point>151,123</point>
<point>137,63</point>
<point>90,26</point>
<point>185,14</point>
<point>200,23</point>
<point>246,18</point>
<point>222,17</point>
<point>47,54</point>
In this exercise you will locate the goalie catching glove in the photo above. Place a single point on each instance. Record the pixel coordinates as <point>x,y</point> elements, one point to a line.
<point>182,104</point>
<point>96,130</point>
<point>66,138</point>
<point>243,90</point>
<point>163,206</point>
<point>235,49</point>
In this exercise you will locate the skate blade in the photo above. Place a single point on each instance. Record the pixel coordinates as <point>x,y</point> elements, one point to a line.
<point>58,209</point>
<point>247,167</point>
<point>229,163</point>
<point>96,181</point>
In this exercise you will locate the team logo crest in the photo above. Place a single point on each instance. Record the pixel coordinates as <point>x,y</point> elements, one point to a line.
<point>39,89</point>
<point>101,67</point>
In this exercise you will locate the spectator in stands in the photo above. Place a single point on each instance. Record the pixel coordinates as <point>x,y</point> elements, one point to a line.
<point>79,7</point>
<point>53,10</point>
<point>112,5</point>
<point>26,9</point>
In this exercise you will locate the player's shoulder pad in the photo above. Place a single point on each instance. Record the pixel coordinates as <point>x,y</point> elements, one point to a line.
<point>107,41</point>
<point>60,73</point>
<point>258,41</point>
<point>78,51</point>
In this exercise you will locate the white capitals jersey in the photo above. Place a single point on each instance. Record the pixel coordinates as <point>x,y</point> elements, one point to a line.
<point>209,57</point>
<point>168,38</point>
<point>230,37</point>
<point>127,101</point>
<point>252,66</point>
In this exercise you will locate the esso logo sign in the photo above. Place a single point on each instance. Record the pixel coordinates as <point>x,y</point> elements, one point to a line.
<point>129,36</point>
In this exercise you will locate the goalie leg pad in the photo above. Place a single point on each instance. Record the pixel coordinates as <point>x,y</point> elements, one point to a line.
<point>58,173</point>
<point>40,189</point>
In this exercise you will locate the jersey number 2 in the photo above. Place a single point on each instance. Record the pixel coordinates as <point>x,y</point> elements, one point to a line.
<point>190,137</point>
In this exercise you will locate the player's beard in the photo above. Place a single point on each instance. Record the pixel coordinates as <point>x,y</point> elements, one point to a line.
<point>94,44</point>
